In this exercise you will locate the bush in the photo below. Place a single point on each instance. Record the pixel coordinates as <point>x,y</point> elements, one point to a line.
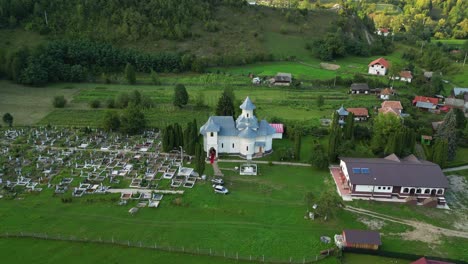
<point>59,101</point>
<point>110,103</point>
<point>95,103</point>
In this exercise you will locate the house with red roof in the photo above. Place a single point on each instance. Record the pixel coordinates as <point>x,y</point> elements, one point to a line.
<point>386,93</point>
<point>391,107</point>
<point>426,103</point>
<point>379,66</point>
<point>406,76</point>
<point>360,113</point>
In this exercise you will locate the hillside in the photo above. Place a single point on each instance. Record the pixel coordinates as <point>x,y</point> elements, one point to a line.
<point>204,28</point>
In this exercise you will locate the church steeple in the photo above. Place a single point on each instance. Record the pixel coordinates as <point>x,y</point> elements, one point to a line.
<point>247,108</point>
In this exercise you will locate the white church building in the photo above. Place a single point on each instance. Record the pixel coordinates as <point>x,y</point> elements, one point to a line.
<point>246,136</point>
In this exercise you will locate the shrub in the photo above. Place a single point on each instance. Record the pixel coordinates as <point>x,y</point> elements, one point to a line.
<point>95,103</point>
<point>110,103</point>
<point>59,101</point>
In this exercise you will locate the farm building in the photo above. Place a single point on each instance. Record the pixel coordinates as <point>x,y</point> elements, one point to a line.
<point>362,239</point>
<point>246,136</point>
<point>386,93</point>
<point>359,88</point>
<point>360,113</point>
<point>379,66</point>
<point>282,79</point>
<point>391,107</point>
<point>424,260</point>
<point>391,179</point>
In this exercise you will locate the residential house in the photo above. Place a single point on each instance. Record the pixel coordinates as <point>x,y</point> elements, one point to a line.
<point>383,32</point>
<point>246,136</point>
<point>360,113</point>
<point>361,239</point>
<point>424,260</point>
<point>359,88</point>
<point>458,91</point>
<point>392,179</point>
<point>379,66</point>
<point>386,93</point>
<point>406,76</point>
<point>282,79</point>
<point>391,107</point>
<point>426,103</point>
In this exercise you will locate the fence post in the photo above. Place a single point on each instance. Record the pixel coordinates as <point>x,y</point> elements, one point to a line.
<point>210,251</point>
<point>303,260</point>
<point>224,253</point>
<point>250,257</point>
<point>140,243</point>
<point>21,233</point>
<point>198,250</point>
<point>237,255</point>
<point>183,249</point>
<point>290,259</point>
<point>316,257</point>
<point>128,242</point>
<point>263,257</point>
<point>112,240</point>
<point>155,245</point>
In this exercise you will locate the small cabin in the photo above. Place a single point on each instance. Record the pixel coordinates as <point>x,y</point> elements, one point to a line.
<point>364,239</point>
<point>359,88</point>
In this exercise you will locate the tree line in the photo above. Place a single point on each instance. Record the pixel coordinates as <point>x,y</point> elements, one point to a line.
<point>78,60</point>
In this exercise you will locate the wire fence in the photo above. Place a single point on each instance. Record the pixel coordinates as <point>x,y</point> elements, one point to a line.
<point>176,249</point>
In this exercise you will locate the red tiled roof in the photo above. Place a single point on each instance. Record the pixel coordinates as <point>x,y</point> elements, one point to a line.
<point>406,74</point>
<point>387,91</point>
<point>278,127</point>
<point>425,99</point>
<point>390,110</point>
<point>380,61</point>
<point>424,260</point>
<point>360,111</point>
<point>383,30</point>
<point>392,104</point>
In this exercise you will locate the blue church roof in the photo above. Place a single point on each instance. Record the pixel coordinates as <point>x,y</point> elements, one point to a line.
<point>247,104</point>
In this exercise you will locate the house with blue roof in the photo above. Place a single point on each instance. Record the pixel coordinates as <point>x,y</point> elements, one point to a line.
<point>245,136</point>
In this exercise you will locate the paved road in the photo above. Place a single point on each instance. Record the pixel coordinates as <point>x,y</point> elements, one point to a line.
<point>266,162</point>
<point>465,167</point>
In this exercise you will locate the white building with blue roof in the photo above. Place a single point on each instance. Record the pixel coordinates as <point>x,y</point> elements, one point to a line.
<point>245,136</point>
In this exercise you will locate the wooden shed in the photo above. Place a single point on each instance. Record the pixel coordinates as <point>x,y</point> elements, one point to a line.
<point>363,239</point>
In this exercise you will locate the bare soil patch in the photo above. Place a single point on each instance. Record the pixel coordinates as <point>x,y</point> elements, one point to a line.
<point>373,224</point>
<point>329,66</point>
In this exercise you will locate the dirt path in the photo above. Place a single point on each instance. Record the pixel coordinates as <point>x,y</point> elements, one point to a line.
<point>422,231</point>
<point>465,167</point>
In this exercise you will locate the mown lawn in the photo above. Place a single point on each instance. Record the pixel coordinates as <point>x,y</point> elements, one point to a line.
<point>460,159</point>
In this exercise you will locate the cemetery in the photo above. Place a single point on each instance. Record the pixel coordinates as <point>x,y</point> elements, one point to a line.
<point>81,162</point>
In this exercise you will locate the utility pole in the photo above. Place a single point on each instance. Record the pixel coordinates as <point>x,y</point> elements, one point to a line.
<point>45,16</point>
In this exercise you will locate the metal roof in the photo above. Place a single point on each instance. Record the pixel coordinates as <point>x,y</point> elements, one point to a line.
<point>426,105</point>
<point>265,129</point>
<point>247,104</point>
<point>342,111</point>
<point>225,123</point>
<point>362,237</point>
<point>248,133</point>
<point>359,86</point>
<point>394,172</point>
<point>458,90</point>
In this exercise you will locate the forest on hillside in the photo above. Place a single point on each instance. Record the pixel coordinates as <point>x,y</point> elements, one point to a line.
<point>111,19</point>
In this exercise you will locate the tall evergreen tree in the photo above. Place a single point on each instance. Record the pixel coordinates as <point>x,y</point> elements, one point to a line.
<point>180,95</point>
<point>348,132</point>
<point>460,117</point>
<point>334,138</point>
<point>200,159</point>
<point>447,130</point>
<point>133,120</point>
<point>225,106</point>
<point>297,143</point>
<point>318,156</point>
<point>440,152</point>
<point>130,74</point>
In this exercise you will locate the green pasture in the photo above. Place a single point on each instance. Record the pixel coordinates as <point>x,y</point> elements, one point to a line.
<point>451,42</point>
<point>460,159</point>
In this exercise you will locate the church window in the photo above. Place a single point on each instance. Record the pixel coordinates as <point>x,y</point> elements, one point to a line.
<point>211,134</point>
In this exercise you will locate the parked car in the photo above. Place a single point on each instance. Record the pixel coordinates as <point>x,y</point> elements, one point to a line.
<point>218,181</point>
<point>220,189</point>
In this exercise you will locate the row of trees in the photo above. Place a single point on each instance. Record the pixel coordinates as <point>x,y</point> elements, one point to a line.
<point>77,60</point>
